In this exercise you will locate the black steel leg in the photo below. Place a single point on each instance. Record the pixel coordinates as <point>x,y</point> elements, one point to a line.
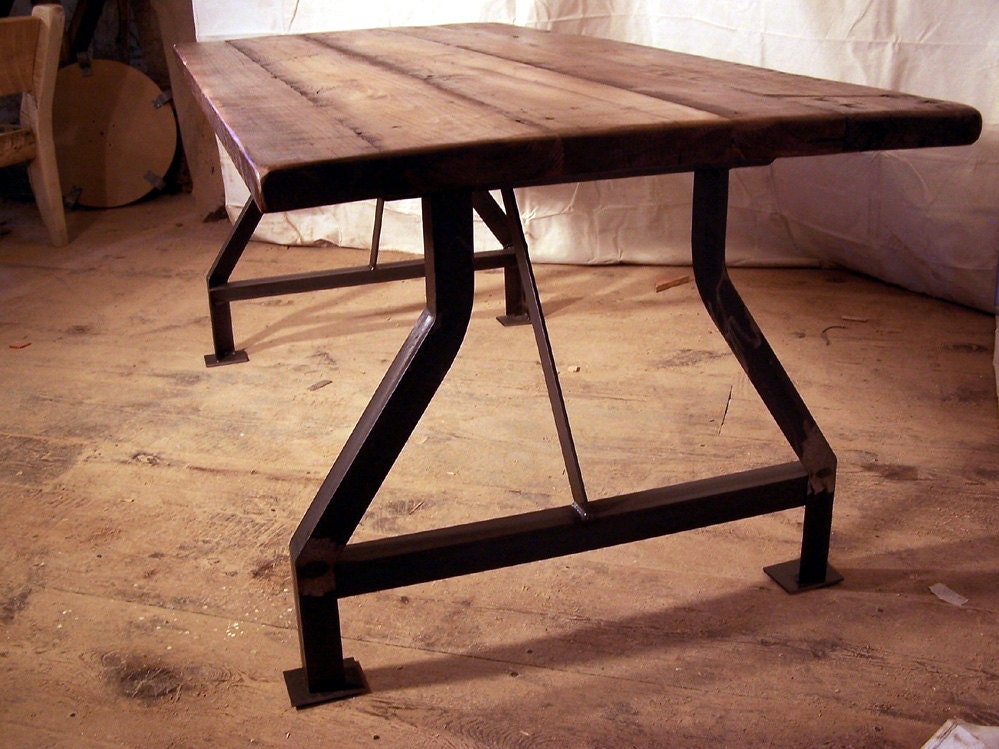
<point>516,313</point>
<point>496,221</point>
<point>218,307</point>
<point>376,442</point>
<point>376,234</point>
<point>767,375</point>
<point>506,228</point>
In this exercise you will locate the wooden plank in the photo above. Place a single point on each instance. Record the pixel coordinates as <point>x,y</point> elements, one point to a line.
<point>404,112</point>
<point>18,39</point>
<point>513,94</point>
<point>741,93</point>
<point>731,90</point>
<point>223,79</point>
<point>369,110</point>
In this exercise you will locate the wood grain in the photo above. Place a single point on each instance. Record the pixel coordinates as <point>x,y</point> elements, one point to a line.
<point>325,118</point>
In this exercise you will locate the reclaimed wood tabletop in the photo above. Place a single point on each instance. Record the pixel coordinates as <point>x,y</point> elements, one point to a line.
<point>325,118</point>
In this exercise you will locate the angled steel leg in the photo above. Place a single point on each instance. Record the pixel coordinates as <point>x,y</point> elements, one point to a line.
<point>757,358</point>
<point>373,447</point>
<point>218,307</point>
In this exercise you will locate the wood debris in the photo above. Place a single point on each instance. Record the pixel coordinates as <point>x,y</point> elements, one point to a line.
<point>669,284</point>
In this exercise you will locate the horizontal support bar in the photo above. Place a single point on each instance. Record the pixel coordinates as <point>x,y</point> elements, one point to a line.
<point>296,283</point>
<point>381,564</point>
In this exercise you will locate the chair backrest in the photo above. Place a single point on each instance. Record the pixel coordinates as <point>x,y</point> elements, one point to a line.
<point>18,44</point>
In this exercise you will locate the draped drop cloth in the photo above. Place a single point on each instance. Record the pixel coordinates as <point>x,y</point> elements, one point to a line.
<point>927,220</point>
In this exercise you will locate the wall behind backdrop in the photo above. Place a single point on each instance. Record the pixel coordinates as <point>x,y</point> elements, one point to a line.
<point>927,220</point>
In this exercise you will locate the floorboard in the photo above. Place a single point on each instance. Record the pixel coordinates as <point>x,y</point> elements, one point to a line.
<point>146,504</point>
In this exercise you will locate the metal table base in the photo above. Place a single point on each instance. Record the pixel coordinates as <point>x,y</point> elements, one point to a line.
<point>222,292</point>
<point>326,567</point>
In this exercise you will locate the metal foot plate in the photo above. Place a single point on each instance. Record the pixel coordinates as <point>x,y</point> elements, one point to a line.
<point>236,357</point>
<point>786,576</point>
<point>509,320</point>
<point>355,683</point>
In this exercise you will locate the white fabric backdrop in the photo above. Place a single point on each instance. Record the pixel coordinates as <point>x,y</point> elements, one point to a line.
<point>927,220</point>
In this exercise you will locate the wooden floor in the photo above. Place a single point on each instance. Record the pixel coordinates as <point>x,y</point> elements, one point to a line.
<point>146,504</point>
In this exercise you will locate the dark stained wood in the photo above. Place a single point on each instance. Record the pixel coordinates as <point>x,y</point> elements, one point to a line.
<point>325,118</point>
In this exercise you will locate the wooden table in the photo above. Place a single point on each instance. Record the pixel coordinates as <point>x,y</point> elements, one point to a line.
<point>447,114</point>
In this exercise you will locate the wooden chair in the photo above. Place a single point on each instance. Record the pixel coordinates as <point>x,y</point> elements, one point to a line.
<point>29,60</point>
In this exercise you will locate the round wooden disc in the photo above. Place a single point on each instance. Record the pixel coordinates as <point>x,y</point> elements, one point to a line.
<point>112,143</point>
